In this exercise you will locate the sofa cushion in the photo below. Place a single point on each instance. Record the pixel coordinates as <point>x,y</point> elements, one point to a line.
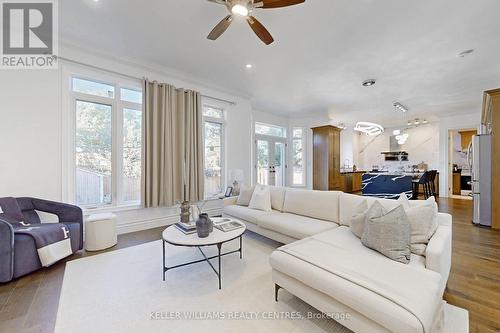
<point>295,226</point>
<point>391,294</point>
<point>261,199</point>
<point>245,213</point>
<point>344,238</point>
<point>349,202</point>
<point>277,197</point>
<point>245,195</point>
<point>389,234</point>
<point>323,205</point>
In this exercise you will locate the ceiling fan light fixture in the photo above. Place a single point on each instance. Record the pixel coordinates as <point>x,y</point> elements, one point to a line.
<point>240,10</point>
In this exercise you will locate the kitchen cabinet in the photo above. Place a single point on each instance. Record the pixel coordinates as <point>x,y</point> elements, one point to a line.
<point>326,158</point>
<point>457,178</point>
<point>466,138</point>
<point>351,182</point>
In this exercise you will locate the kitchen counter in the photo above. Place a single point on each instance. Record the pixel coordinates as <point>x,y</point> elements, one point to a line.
<point>347,172</point>
<point>387,185</point>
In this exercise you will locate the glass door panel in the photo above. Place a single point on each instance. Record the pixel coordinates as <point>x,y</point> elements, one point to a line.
<point>278,169</point>
<point>262,165</point>
<point>270,162</point>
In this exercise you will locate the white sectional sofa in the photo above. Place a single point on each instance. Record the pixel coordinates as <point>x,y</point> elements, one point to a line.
<point>327,266</point>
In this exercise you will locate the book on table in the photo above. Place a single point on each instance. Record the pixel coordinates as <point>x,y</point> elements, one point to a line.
<point>229,226</point>
<point>187,228</point>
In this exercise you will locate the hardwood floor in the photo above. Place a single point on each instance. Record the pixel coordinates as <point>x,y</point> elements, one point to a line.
<point>29,304</point>
<point>474,282</point>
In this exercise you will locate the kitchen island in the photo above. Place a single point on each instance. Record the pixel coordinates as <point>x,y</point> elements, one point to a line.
<point>387,185</point>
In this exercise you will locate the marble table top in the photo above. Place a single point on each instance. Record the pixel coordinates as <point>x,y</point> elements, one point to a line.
<point>174,236</point>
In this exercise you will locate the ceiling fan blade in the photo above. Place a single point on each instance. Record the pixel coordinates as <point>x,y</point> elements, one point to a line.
<point>220,28</point>
<point>260,30</point>
<point>277,3</point>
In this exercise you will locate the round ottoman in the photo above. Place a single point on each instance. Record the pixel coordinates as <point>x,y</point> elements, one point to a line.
<point>100,232</point>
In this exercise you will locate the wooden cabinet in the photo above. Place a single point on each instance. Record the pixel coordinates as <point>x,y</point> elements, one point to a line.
<point>466,138</point>
<point>491,114</point>
<point>357,182</point>
<point>351,182</point>
<point>457,178</point>
<point>346,182</point>
<point>326,158</point>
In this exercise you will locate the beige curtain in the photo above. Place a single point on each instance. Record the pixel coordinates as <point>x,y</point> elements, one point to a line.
<point>172,145</point>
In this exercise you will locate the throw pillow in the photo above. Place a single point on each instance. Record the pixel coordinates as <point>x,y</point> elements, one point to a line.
<point>423,221</point>
<point>403,200</point>
<point>389,235</point>
<point>245,195</point>
<point>261,198</point>
<point>363,214</point>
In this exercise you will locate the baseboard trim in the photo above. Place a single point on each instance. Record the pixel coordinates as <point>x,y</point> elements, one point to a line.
<point>134,226</point>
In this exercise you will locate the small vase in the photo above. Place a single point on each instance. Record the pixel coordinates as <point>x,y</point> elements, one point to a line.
<point>203,225</point>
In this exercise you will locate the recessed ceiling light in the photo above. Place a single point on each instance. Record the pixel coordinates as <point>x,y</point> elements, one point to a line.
<point>369,82</point>
<point>240,10</point>
<point>465,53</point>
<point>248,66</point>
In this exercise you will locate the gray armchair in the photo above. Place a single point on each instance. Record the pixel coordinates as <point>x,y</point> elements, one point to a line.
<point>18,253</point>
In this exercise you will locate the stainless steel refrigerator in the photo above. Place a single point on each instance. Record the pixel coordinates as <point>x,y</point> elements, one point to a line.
<point>479,157</point>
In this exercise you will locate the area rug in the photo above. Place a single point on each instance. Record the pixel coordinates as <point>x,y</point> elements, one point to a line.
<point>123,291</point>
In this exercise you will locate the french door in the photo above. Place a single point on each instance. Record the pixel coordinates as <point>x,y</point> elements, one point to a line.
<point>270,161</point>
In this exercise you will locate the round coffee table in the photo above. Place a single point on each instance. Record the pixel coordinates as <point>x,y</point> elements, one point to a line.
<point>174,236</point>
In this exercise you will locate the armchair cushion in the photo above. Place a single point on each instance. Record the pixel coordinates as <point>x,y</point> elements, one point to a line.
<point>6,251</point>
<point>10,210</point>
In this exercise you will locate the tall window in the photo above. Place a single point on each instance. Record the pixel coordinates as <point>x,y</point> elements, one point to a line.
<point>298,157</point>
<point>213,124</point>
<point>108,139</point>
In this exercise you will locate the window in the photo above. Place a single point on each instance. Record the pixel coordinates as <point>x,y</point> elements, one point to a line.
<point>271,130</point>
<point>298,156</point>
<point>108,143</point>
<point>213,124</point>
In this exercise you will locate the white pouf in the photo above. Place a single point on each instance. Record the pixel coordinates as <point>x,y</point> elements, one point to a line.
<point>100,232</point>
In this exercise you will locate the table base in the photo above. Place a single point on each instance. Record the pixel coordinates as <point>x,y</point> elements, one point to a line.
<point>205,258</point>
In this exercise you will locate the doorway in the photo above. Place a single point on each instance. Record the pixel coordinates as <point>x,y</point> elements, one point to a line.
<point>270,157</point>
<point>459,164</point>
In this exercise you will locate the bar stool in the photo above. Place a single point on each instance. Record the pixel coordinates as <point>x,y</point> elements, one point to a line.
<point>432,182</point>
<point>423,180</point>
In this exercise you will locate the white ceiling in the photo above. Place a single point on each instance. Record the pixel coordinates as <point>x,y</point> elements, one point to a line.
<point>324,49</point>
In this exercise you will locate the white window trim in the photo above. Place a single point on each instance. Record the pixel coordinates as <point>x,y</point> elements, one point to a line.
<point>304,157</point>
<point>69,98</point>
<point>272,139</point>
<point>221,121</point>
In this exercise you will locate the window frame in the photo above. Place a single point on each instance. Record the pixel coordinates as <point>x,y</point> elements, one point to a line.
<point>304,157</point>
<point>70,98</point>
<point>222,122</point>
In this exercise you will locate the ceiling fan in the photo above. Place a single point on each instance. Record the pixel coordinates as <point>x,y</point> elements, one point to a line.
<point>245,8</point>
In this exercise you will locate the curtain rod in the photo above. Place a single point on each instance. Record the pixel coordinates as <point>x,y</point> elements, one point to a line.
<point>133,77</point>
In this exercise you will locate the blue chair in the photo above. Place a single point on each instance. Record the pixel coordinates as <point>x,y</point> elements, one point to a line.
<point>18,253</point>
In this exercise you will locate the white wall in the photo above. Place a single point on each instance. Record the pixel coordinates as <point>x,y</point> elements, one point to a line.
<point>30,133</point>
<point>34,144</point>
